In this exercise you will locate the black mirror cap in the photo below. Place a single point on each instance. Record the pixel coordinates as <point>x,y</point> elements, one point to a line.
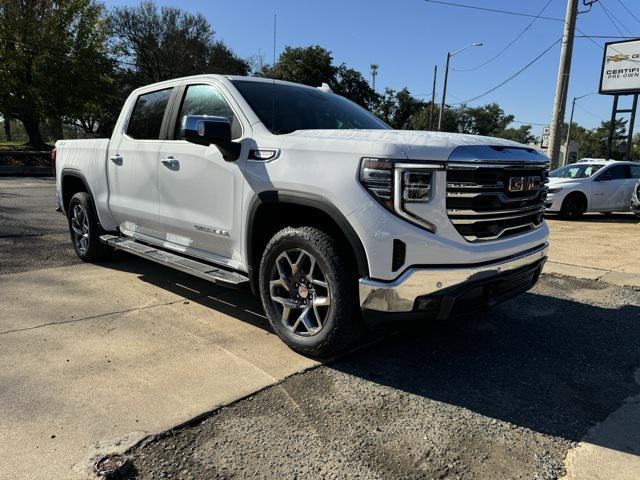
<point>210,130</point>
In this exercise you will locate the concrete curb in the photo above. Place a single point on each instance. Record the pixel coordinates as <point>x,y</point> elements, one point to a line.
<point>617,278</point>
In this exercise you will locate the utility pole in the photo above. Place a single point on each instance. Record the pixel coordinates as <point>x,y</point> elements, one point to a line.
<point>433,96</point>
<point>566,146</point>
<point>570,129</point>
<point>564,70</point>
<point>446,77</point>
<point>444,92</point>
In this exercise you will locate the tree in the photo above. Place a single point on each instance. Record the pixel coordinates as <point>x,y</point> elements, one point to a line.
<point>400,109</point>
<point>521,134</point>
<point>169,42</point>
<point>50,49</point>
<point>485,120</point>
<point>311,66</point>
<point>351,84</point>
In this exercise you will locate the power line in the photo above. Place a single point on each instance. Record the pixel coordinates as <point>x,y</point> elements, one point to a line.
<point>603,36</point>
<point>588,111</point>
<point>530,123</point>
<point>495,10</point>
<point>630,12</point>
<point>501,84</point>
<point>517,37</point>
<point>611,18</point>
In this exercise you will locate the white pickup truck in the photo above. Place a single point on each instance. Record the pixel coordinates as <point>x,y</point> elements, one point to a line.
<point>317,205</point>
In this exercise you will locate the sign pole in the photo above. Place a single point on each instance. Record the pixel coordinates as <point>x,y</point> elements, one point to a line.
<point>612,126</point>
<point>632,120</point>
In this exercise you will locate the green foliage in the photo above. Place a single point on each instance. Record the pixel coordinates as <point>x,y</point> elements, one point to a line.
<point>521,134</point>
<point>54,60</point>
<point>313,66</point>
<point>351,84</point>
<point>169,42</point>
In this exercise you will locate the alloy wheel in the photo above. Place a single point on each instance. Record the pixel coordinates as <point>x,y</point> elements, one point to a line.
<point>80,227</point>
<point>300,292</point>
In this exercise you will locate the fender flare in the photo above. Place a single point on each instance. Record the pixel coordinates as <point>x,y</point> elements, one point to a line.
<point>72,172</point>
<point>307,200</point>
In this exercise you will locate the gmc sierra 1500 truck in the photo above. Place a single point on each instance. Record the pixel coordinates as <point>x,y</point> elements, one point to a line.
<point>321,208</point>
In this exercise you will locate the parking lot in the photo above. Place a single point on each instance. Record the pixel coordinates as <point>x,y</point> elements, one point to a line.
<point>100,357</point>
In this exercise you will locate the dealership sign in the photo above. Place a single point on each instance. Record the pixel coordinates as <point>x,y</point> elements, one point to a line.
<point>621,68</point>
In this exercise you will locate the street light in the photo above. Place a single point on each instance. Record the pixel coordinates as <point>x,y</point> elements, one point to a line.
<point>573,107</point>
<point>446,76</point>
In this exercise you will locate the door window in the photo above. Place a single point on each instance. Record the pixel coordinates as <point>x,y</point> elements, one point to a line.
<point>617,172</point>
<point>147,115</point>
<point>206,100</point>
<point>635,171</point>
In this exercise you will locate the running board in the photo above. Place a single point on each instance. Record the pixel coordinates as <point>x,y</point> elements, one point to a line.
<point>177,262</point>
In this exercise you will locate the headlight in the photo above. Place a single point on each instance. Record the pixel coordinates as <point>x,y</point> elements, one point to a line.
<point>395,184</point>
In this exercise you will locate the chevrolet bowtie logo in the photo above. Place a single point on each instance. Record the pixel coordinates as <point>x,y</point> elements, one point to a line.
<point>617,58</point>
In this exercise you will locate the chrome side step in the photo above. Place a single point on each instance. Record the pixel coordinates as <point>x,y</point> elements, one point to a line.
<point>193,267</point>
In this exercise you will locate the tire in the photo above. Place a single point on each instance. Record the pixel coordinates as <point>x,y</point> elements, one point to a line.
<point>84,228</point>
<point>573,206</point>
<point>308,291</point>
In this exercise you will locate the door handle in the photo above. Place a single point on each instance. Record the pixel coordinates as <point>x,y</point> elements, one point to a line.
<point>117,159</point>
<point>171,163</point>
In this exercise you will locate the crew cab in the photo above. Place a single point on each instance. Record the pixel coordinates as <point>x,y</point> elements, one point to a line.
<point>592,185</point>
<point>318,206</point>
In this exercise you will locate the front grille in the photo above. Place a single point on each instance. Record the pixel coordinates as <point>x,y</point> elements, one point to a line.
<point>490,202</point>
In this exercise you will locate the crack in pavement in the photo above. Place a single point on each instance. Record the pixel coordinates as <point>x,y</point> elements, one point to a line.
<point>102,315</point>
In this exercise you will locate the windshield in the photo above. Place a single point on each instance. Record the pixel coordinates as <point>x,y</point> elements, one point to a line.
<point>287,108</point>
<point>575,171</point>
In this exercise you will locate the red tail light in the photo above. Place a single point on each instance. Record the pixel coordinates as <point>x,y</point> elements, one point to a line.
<point>53,161</point>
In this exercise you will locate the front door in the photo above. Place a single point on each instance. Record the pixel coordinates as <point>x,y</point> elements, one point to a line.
<point>132,166</point>
<point>610,190</point>
<point>200,192</point>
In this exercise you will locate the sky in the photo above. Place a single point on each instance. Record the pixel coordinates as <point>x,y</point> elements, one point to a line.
<point>407,38</point>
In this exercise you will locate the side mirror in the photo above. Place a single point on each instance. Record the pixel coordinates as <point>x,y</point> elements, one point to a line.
<point>209,130</point>
<point>604,176</point>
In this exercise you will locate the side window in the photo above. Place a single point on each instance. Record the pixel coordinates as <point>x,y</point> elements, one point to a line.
<point>619,172</point>
<point>206,100</point>
<point>635,171</point>
<point>147,115</point>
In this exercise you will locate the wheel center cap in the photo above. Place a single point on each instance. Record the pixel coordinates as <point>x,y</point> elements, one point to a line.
<point>303,291</point>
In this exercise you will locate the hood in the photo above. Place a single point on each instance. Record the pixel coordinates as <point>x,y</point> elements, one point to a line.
<point>564,181</point>
<point>410,144</point>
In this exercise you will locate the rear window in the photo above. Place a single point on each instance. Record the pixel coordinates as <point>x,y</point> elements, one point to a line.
<point>148,112</point>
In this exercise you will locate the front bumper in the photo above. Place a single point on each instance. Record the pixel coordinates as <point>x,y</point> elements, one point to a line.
<point>444,291</point>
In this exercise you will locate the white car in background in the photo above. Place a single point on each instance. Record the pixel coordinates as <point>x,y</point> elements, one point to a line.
<point>592,186</point>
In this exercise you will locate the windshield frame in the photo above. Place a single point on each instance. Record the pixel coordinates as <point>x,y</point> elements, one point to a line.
<point>581,166</point>
<point>360,114</point>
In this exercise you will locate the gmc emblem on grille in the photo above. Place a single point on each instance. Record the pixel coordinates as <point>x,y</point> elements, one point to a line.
<point>523,184</point>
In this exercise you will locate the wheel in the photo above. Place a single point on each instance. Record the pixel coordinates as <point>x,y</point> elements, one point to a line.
<point>308,291</point>
<point>84,228</point>
<point>573,206</point>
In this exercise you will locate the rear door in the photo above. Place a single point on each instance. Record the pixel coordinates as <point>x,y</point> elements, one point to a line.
<point>132,167</point>
<point>199,190</point>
